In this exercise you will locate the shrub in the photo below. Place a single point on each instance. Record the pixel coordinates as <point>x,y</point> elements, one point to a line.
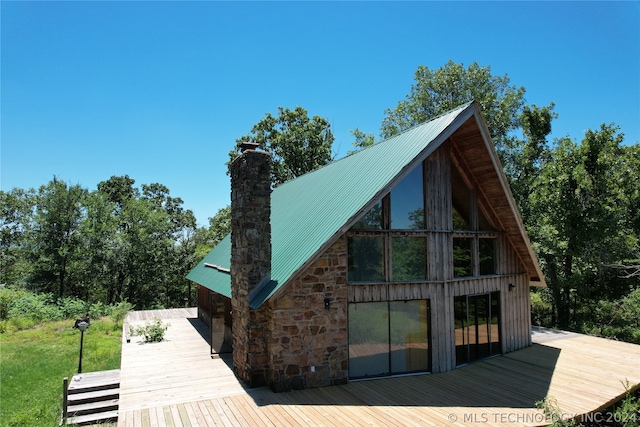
<point>7,297</point>
<point>35,307</point>
<point>98,310</point>
<point>553,413</point>
<point>627,412</point>
<point>73,308</point>
<point>541,309</point>
<point>120,310</point>
<point>618,319</point>
<point>151,331</point>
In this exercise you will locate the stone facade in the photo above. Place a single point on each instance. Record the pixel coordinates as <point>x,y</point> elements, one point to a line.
<point>308,345</point>
<point>250,262</point>
<point>299,338</point>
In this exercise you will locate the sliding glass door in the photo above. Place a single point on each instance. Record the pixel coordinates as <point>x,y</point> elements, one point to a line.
<point>389,337</point>
<point>477,327</point>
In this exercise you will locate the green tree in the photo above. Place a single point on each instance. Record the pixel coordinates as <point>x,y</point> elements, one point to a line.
<point>98,234</point>
<point>54,238</point>
<point>297,144</point>
<point>438,91</point>
<point>16,214</point>
<point>578,207</point>
<point>150,249</point>
<point>208,237</point>
<point>362,140</point>
<point>119,190</point>
<point>523,161</point>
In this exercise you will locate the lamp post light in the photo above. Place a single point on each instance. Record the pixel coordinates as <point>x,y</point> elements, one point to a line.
<point>82,325</point>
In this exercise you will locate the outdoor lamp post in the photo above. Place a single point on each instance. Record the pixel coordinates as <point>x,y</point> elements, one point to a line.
<point>83,327</point>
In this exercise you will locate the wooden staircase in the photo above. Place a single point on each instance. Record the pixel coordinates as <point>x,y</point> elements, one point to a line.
<point>91,398</point>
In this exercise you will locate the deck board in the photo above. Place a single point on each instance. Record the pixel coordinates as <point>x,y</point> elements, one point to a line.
<point>177,383</point>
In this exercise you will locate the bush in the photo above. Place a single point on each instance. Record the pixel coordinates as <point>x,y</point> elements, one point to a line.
<point>7,297</point>
<point>541,308</point>
<point>99,310</point>
<point>20,310</point>
<point>120,310</point>
<point>627,412</point>
<point>72,308</point>
<point>618,319</point>
<point>554,414</point>
<point>151,331</point>
<point>36,307</point>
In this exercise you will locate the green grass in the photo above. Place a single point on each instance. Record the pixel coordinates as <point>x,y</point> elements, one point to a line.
<point>33,363</point>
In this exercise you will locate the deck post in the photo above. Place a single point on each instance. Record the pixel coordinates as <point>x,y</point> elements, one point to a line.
<point>65,401</point>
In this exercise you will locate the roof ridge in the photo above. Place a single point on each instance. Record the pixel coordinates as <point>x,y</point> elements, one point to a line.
<point>439,116</point>
<point>460,107</point>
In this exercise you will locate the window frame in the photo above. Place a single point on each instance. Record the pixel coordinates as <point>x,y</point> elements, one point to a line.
<point>477,207</point>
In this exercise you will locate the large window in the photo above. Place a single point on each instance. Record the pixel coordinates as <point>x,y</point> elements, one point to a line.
<point>365,259</point>
<point>372,220</point>
<point>409,256</point>
<point>477,327</point>
<point>407,202</point>
<point>474,242</point>
<point>390,337</point>
<point>462,257</point>
<point>487,254</point>
<point>390,242</point>
<point>461,201</point>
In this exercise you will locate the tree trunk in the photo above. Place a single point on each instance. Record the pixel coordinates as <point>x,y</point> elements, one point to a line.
<point>554,285</point>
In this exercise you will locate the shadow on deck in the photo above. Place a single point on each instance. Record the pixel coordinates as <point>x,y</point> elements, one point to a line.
<point>584,374</point>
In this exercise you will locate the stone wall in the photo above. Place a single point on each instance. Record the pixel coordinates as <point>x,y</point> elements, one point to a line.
<point>250,262</point>
<point>309,346</point>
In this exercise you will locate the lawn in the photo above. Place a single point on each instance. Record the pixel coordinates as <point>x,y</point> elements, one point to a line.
<point>33,363</point>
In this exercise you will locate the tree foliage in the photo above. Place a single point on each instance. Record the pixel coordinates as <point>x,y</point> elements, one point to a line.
<point>438,91</point>
<point>297,144</point>
<point>362,140</point>
<point>116,243</point>
<point>209,237</point>
<point>581,219</point>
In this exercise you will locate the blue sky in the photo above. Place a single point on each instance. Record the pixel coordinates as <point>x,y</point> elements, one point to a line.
<point>161,90</point>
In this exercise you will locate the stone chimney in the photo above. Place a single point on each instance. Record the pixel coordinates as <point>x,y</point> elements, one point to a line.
<point>250,260</point>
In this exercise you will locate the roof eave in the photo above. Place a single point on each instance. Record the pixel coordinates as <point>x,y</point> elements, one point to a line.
<point>536,279</point>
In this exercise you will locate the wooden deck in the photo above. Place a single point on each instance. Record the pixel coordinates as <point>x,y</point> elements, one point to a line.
<point>177,383</point>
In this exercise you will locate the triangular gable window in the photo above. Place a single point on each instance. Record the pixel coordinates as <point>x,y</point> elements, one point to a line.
<point>390,242</point>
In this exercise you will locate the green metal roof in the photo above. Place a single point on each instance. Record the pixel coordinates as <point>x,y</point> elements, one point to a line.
<point>311,211</point>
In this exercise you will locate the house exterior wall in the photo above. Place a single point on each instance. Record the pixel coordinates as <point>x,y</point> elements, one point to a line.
<point>309,343</point>
<point>304,334</point>
<point>515,309</point>
<point>294,341</point>
<point>204,309</point>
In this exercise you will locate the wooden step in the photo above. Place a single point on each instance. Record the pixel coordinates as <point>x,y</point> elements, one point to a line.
<point>93,396</point>
<point>94,381</point>
<point>92,407</point>
<point>102,417</point>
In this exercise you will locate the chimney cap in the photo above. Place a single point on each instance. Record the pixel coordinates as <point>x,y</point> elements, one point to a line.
<point>245,145</point>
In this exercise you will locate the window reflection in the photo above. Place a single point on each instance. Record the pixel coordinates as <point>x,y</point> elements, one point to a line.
<point>407,202</point>
<point>477,327</point>
<point>409,336</point>
<point>388,337</point>
<point>372,220</point>
<point>483,222</point>
<point>368,339</point>
<point>409,260</point>
<point>462,259</point>
<point>365,259</point>
<point>461,201</point>
<point>487,256</point>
